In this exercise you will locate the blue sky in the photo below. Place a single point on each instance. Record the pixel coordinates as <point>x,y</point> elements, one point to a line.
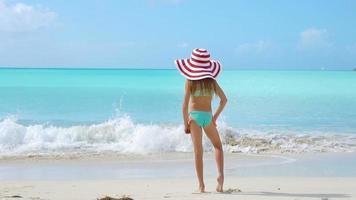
<point>253,34</point>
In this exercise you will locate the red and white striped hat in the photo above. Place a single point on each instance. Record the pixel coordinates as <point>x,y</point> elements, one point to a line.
<point>198,66</point>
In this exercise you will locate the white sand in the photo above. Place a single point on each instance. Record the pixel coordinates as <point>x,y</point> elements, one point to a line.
<point>315,177</point>
<point>255,188</point>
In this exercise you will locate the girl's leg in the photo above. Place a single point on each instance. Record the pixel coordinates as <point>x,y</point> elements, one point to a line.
<point>196,134</point>
<point>213,135</point>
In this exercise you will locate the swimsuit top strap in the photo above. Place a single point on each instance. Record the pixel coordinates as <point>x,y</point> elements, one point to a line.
<point>198,93</point>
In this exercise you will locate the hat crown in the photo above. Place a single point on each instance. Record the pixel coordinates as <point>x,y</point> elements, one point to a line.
<point>200,55</point>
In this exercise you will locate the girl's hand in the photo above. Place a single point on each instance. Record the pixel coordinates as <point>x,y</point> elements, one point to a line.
<point>214,121</point>
<point>187,129</point>
<point>187,126</point>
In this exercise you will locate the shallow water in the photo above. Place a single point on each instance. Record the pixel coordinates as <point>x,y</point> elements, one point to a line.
<point>173,165</point>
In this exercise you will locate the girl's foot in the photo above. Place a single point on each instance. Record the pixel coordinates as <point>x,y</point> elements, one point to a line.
<point>202,188</point>
<point>219,187</point>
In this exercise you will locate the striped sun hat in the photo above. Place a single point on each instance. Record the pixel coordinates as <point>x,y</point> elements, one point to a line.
<point>198,66</point>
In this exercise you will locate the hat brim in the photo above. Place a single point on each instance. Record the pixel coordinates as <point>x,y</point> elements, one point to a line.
<point>196,72</point>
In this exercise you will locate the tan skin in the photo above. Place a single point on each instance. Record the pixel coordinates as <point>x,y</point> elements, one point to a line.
<point>203,103</point>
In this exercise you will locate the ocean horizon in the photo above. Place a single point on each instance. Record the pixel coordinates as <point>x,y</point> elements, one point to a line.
<point>172,68</point>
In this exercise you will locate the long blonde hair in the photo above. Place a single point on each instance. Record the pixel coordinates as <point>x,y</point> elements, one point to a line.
<point>206,86</point>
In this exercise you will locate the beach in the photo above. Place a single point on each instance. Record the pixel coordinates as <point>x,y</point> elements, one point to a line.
<point>105,100</point>
<point>178,188</point>
<point>171,176</point>
<point>88,133</point>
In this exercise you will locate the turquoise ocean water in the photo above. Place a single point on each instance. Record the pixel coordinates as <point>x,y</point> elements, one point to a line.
<point>49,111</point>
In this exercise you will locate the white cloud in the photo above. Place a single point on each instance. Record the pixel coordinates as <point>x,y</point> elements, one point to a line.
<point>183,45</point>
<point>258,47</point>
<point>20,17</point>
<point>314,38</point>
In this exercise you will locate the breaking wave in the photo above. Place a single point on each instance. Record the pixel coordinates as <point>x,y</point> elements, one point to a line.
<point>122,135</point>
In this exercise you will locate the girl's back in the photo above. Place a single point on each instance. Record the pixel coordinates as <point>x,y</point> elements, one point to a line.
<point>201,93</point>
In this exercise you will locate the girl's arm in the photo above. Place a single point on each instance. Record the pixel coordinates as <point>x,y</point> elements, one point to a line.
<point>186,106</point>
<point>223,101</point>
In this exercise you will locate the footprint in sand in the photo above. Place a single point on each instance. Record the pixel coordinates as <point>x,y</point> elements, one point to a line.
<point>232,190</point>
<point>112,198</point>
<point>14,196</point>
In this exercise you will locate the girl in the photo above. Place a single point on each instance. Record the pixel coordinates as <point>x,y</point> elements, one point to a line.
<point>200,88</point>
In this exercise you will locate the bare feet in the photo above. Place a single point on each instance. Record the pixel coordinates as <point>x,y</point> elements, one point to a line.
<point>202,188</point>
<point>219,187</point>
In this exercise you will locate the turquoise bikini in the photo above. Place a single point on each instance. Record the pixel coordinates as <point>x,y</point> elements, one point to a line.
<point>202,118</point>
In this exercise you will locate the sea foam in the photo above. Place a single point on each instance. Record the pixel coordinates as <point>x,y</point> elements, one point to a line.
<point>122,135</point>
